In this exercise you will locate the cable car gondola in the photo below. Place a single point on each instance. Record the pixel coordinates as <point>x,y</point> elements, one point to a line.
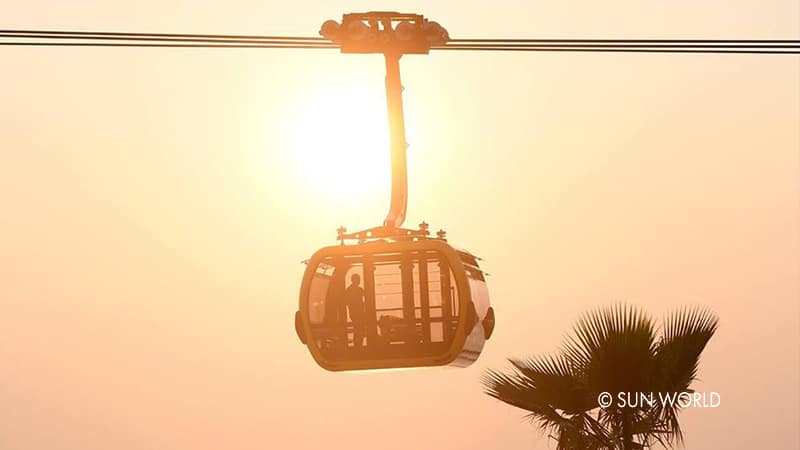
<point>425,304</point>
<point>397,297</point>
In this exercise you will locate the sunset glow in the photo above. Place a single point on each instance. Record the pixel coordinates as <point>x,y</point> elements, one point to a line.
<point>337,141</point>
<point>160,209</point>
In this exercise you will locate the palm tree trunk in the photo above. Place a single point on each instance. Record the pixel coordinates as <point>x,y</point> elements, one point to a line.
<point>627,430</point>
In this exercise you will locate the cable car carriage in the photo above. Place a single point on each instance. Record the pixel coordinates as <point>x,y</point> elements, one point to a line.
<point>397,297</point>
<point>425,303</point>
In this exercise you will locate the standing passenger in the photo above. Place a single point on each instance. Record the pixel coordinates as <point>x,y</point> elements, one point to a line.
<point>354,299</point>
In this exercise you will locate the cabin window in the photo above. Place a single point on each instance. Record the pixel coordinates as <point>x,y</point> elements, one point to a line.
<point>404,304</point>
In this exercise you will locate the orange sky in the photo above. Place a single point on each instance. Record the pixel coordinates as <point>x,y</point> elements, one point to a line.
<point>156,205</point>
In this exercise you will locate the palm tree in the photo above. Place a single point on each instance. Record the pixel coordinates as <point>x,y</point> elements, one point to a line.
<point>614,350</point>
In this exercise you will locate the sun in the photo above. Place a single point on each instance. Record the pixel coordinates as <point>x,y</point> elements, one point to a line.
<point>338,141</point>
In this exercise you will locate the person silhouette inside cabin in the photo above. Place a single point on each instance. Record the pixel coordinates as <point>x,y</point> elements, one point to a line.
<point>354,300</point>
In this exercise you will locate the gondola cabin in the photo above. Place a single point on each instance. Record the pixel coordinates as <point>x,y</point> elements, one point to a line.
<point>389,304</point>
<point>396,298</point>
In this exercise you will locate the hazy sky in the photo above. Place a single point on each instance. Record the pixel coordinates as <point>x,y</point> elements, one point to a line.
<point>155,205</point>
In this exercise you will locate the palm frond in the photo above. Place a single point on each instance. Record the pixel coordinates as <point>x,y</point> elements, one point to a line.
<point>613,349</point>
<point>556,383</point>
<point>547,388</point>
<point>519,391</point>
<point>686,333</point>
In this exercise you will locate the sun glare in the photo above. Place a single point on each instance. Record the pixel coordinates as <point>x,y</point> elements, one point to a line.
<point>338,141</point>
